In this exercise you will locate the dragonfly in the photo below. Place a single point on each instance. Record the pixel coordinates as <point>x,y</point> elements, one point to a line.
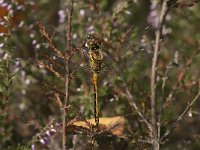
<point>99,60</point>
<point>93,48</point>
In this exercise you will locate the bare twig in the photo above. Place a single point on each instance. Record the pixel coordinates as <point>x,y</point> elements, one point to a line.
<point>181,74</point>
<point>123,38</point>
<point>56,99</point>
<point>165,77</point>
<point>130,97</point>
<point>52,89</point>
<point>132,103</point>
<point>186,4</point>
<point>47,67</point>
<point>181,116</point>
<point>50,42</point>
<point>154,131</point>
<point>49,58</point>
<point>67,77</point>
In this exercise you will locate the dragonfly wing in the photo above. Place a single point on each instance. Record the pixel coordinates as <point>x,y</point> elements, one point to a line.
<point>131,50</point>
<point>85,55</point>
<point>125,55</point>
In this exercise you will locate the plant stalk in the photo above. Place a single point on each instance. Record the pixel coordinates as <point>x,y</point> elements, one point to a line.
<point>154,130</point>
<point>67,76</point>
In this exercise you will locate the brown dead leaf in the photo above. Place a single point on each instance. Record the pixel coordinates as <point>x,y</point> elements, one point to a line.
<point>114,125</point>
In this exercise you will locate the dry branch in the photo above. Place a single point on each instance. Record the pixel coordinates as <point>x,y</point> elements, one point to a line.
<point>67,76</point>
<point>181,116</point>
<point>47,67</point>
<point>50,59</point>
<point>154,132</point>
<point>50,42</point>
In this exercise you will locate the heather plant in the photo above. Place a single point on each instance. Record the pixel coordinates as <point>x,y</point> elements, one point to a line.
<point>146,57</point>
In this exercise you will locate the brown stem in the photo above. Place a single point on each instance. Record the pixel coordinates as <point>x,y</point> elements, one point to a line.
<point>134,105</point>
<point>67,76</point>
<point>132,101</point>
<point>181,116</point>
<point>154,132</point>
<point>130,97</point>
<point>50,42</point>
<point>48,67</point>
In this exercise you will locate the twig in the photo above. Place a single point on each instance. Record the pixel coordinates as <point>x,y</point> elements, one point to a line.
<point>131,100</point>
<point>50,42</point>
<point>57,99</point>
<point>134,105</point>
<point>186,4</point>
<point>52,89</point>
<point>165,77</point>
<point>181,116</point>
<point>181,74</point>
<point>130,97</point>
<point>58,75</point>
<point>67,77</point>
<point>123,38</point>
<point>154,131</point>
<point>49,58</point>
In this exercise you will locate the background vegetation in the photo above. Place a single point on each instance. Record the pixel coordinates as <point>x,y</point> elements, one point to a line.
<point>32,74</point>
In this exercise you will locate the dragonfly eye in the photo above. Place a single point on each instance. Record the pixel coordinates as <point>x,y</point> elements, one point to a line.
<point>95,48</point>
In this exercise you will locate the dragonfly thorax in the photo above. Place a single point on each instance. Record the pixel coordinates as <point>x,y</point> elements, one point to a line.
<point>91,43</point>
<point>93,49</point>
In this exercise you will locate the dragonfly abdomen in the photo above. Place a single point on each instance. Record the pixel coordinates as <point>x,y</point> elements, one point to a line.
<point>96,59</point>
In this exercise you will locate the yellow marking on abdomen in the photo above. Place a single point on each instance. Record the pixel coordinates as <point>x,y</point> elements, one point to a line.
<point>96,106</point>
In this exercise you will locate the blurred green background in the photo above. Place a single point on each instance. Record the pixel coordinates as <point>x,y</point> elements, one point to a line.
<point>128,26</point>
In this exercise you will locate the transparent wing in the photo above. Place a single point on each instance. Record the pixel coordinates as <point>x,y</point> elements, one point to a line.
<point>79,62</point>
<point>124,56</point>
<point>119,58</point>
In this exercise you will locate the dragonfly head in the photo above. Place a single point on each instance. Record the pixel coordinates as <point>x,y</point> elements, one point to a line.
<point>92,43</point>
<point>90,36</point>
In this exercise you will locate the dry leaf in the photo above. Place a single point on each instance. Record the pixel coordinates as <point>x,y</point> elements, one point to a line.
<point>115,125</point>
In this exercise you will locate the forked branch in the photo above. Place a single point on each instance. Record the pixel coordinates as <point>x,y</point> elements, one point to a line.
<point>181,116</point>
<point>154,132</point>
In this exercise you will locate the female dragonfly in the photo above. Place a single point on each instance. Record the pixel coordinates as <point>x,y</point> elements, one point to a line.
<point>101,60</point>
